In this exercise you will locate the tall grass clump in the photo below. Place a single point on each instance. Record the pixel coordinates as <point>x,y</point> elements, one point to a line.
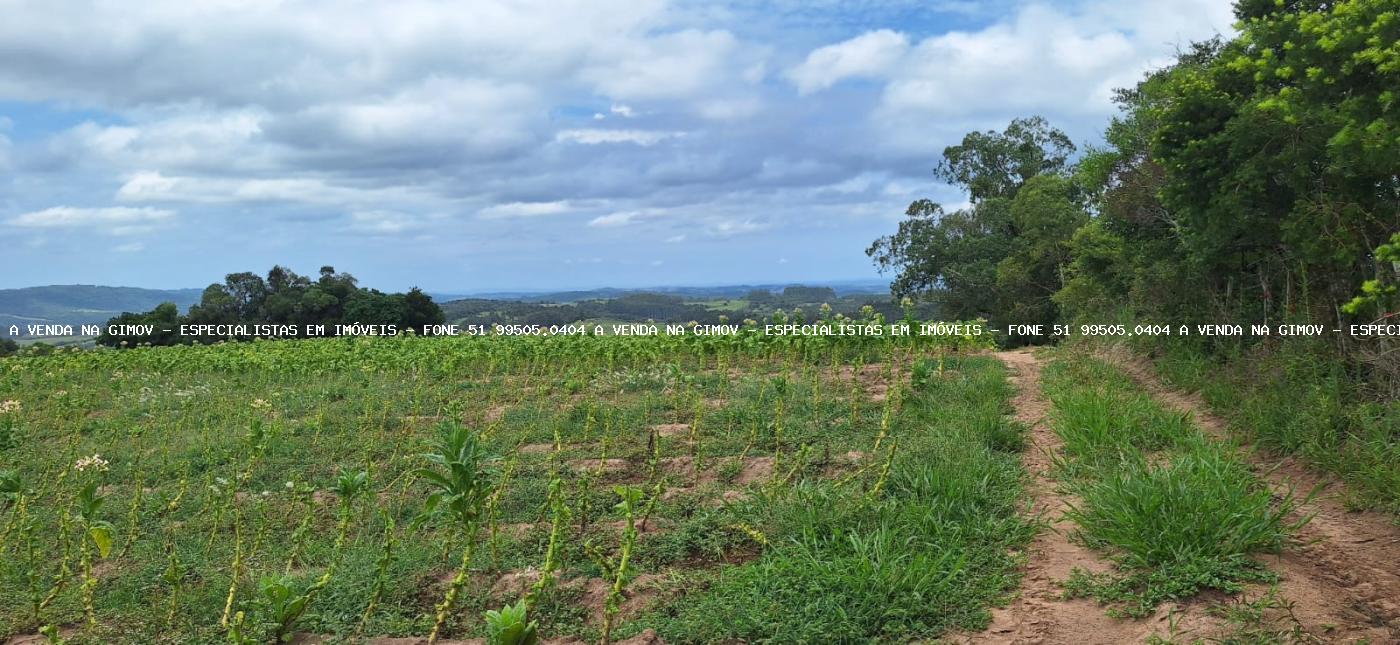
<point>1204,504</point>
<point>1179,512</point>
<point>1295,397</point>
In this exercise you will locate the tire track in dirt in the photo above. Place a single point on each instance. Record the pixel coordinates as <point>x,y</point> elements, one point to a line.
<point>1344,575</point>
<point>1039,614</point>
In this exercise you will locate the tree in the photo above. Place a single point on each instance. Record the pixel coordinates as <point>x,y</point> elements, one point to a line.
<point>991,164</point>
<point>164,321</point>
<point>248,291</point>
<point>1001,258</point>
<point>420,310</point>
<point>374,307</point>
<point>284,297</point>
<point>1046,212</point>
<point>759,297</point>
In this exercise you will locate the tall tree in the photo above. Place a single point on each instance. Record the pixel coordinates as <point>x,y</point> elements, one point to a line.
<point>1002,257</point>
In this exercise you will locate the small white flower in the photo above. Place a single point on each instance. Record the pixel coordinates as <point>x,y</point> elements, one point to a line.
<point>9,406</point>
<point>95,462</point>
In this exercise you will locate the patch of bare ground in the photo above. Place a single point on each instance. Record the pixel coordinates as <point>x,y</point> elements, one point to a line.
<point>651,526</point>
<point>751,470</point>
<point>641,592</point>
<point>1039,613</point>
<point>517,530</point>
<point>870,378</point>
<point>1344,575</point>
<point>489,415</point>
<point>671,429</point>
<point>64,633</point>
<point>536,448</point>
<point>728,496</point>
<point>606,466</point>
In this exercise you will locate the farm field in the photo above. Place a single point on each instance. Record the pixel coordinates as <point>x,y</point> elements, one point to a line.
<point>655,489</point>
<point>706,489</point>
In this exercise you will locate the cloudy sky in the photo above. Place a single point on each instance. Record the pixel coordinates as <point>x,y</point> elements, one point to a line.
<point>501,144</point>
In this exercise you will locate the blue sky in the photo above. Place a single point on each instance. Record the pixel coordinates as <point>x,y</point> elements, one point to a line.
<point>506,144</point>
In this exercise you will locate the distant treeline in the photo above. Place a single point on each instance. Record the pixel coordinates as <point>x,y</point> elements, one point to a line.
<point>282,298</point>
<point>643,306</point>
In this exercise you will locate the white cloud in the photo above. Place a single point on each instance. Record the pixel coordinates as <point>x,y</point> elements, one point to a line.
<point>525,209</point>
<point>383,222</point>
<point>621,218</point>
<point>729,227</point>
<point>595,136</point>
<point>116,220</point>
<point>132,247</point>
<point>672,65</point>
<point>470,124</point>
<point>150,186</point>
<point>1063,62</point>
<point>869,54</point>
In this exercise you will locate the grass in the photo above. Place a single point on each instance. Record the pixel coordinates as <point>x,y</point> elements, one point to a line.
<point>928,555</point>
<point>1179,512</point>
<point>793,505</point>
<point>1295,397</point>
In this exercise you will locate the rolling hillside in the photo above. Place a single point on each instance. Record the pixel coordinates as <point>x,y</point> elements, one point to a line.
<point>76,304</point>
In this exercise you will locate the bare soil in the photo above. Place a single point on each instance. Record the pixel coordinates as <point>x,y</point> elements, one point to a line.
<point>1039,614</point>
<point>672,429</point>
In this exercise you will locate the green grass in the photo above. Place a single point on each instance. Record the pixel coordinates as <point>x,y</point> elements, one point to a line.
<point>1179,512</point>
<point>203,441</point>
<point>1296,397</point>
<point>928,555</point>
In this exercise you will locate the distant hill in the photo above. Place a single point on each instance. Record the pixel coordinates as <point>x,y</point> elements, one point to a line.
<point>89,304</point>
<point>77,304</point>
<point>842,288</point>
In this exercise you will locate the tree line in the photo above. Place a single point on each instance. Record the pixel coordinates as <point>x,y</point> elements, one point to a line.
<point>282,298</point>
<point>1255,179</point>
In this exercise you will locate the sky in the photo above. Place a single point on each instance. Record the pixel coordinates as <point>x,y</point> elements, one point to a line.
<point>522,144</point>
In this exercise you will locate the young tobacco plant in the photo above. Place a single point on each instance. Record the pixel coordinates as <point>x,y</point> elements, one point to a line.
<point>280,603</point>
<point>617,568</point>
<point>511,626</point>
<point>461,482</point>
<point>101,533</point>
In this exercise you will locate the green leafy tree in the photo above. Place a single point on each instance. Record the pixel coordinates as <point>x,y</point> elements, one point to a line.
<point>1003,257</point>
<point>419,310</point>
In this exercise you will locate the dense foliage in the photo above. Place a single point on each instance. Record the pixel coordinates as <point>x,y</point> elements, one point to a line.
<point>1256,180</point>
<point>1250,181</point>
<point>1002,257</point>
<point>283,298</point>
